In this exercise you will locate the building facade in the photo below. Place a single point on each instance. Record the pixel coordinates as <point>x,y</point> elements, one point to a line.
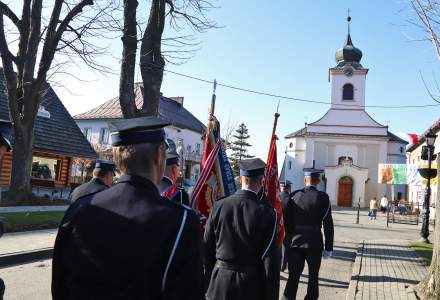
<point>186,130</point>
<point>347,143</point>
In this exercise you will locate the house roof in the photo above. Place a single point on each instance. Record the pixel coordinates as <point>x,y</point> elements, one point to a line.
<point>395,138</point>
<point>434,127</point>
<point>58,134</point>
<point>169,109</point>
<point>301,132</point>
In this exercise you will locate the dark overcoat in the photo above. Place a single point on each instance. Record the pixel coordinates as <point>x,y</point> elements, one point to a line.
<point>127,242</point>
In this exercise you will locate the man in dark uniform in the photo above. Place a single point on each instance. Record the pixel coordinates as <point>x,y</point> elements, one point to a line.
<point>240,242</point>
<point>5,146</point>
<point>285,189</point>
<point>168,187</point>
<point>103,173</point>
<point>304,214</point>
<point>127,242</point>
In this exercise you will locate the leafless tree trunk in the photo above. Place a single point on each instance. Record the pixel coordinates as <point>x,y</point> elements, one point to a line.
<point>26,79</point>
<point>180,13</point>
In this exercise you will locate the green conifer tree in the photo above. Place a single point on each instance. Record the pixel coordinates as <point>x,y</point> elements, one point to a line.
<point>239,147</point>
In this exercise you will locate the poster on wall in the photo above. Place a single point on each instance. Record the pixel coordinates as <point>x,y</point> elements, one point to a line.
<point>392,174</point>
<point>403,174</point>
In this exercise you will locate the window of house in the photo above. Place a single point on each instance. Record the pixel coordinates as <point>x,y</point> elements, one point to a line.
<point>290,165</point>
<point>198,148</point>
<point>103,136</point>
<point>401,149</point>
<point>87,133</point>
<point>46,168</point>
<point>348,92</point>
<point>291,145</point>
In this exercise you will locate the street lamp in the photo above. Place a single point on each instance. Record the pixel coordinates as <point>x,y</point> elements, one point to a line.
<point>428,173</point>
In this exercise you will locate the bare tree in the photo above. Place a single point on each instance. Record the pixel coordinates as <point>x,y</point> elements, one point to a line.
<point>180,14</point>
<point>68,33</point>
<point>427,18</point>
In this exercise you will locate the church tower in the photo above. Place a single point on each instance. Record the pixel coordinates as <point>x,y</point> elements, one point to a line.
<point>348,77</point>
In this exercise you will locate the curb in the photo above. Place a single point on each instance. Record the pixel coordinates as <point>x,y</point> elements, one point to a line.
<point>357,268</point>
<point>16,258</point>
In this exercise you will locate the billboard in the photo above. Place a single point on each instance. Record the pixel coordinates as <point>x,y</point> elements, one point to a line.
<point>403,174</point>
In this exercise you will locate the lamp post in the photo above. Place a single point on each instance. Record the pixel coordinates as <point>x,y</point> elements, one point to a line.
<point>427,173</point>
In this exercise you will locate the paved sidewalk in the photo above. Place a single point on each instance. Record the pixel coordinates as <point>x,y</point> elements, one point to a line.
<point>385,270</point>
<point>27,241</point>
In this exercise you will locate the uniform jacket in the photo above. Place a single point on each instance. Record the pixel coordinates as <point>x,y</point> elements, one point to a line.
<point>174,193</point>
<point>241,235</point>
<point>127,242</point>
<point>305,212</point>
<point>92,187</point>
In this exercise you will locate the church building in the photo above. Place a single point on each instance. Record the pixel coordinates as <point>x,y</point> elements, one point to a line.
<point>347,143</point>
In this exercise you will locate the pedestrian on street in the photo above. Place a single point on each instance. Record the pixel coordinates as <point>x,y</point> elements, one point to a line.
<point>241,254</point>
<point>103,173</point>
<point>373,208</point>
<point>285,188</point>
<point>305,213</point>
<point>128,242</point>
<point>5,146</point>
<point>168,187</point>
<point>384,204</point>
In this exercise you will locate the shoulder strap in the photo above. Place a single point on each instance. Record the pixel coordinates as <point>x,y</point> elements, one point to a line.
<point>173,251</point>
<point>273,235</point>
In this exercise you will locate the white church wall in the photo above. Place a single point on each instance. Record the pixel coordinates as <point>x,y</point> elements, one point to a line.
<point>375,131</point>
<point>338,80</point>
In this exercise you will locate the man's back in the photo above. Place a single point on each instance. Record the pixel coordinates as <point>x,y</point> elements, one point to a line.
<point>129,243</point>
<point>92,187</point>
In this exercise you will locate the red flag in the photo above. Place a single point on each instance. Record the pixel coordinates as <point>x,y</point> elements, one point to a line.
<point>271,185</point>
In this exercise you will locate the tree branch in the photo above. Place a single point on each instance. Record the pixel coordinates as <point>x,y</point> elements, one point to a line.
<point>6,11</point>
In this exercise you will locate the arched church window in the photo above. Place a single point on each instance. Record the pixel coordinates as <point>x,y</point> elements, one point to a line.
<point>348,92</point>
<point>345,159</point>
<point>291,145</point>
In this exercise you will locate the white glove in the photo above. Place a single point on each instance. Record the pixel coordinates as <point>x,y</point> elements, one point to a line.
<point>327,254</point>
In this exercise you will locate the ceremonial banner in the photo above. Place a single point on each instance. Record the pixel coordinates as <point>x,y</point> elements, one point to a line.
<point>216,179</point>
<point>271,186</point>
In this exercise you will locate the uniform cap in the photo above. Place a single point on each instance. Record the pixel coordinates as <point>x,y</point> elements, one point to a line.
<point>252,167</point>
<point>285,183</point>
<point>172,155</point>
<point>138,131</point>
<point>105,165</point>
<point>312,172</point>
<point>6,133</point>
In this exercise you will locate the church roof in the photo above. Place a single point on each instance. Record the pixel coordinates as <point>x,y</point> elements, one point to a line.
<point>395,138</point>
<point>301,132</point>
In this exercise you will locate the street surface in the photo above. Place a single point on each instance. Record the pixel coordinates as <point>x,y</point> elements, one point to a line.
<point>32,281</point>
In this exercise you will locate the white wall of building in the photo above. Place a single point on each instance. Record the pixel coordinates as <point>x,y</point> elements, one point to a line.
<point>338,80</point>
<point>192,141</point>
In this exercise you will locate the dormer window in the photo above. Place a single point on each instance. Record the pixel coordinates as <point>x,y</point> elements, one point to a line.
<point>348,92</point>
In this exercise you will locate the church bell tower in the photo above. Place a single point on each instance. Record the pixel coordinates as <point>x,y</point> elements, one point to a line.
<point>348,77</point>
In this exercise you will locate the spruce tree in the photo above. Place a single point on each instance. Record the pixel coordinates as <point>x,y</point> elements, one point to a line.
<point>239,147</point>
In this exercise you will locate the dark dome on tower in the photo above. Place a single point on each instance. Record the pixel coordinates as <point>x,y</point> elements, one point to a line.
<point>349,53</point>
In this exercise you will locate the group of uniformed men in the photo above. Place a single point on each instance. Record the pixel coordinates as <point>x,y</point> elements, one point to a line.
<point>138,239</point>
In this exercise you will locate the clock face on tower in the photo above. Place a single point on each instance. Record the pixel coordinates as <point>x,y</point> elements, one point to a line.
<point>348,72</point>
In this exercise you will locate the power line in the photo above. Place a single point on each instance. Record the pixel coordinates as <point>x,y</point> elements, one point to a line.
<point>294,98</point>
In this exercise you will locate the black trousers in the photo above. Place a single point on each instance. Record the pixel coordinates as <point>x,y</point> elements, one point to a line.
<point>284,258</point>
<point>296,259</point>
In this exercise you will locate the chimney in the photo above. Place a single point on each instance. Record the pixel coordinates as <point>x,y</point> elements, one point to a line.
<point>178,100</point>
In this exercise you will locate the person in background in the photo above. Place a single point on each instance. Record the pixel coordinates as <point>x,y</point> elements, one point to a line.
<point>305,213</point>
<point>373,209</point>
<point>103,173</point>
<point>241,254</point>
<point>384,204</point>
<point>168,187</point>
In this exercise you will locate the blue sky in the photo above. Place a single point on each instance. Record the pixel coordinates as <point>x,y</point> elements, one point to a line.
<point>286,47</point>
